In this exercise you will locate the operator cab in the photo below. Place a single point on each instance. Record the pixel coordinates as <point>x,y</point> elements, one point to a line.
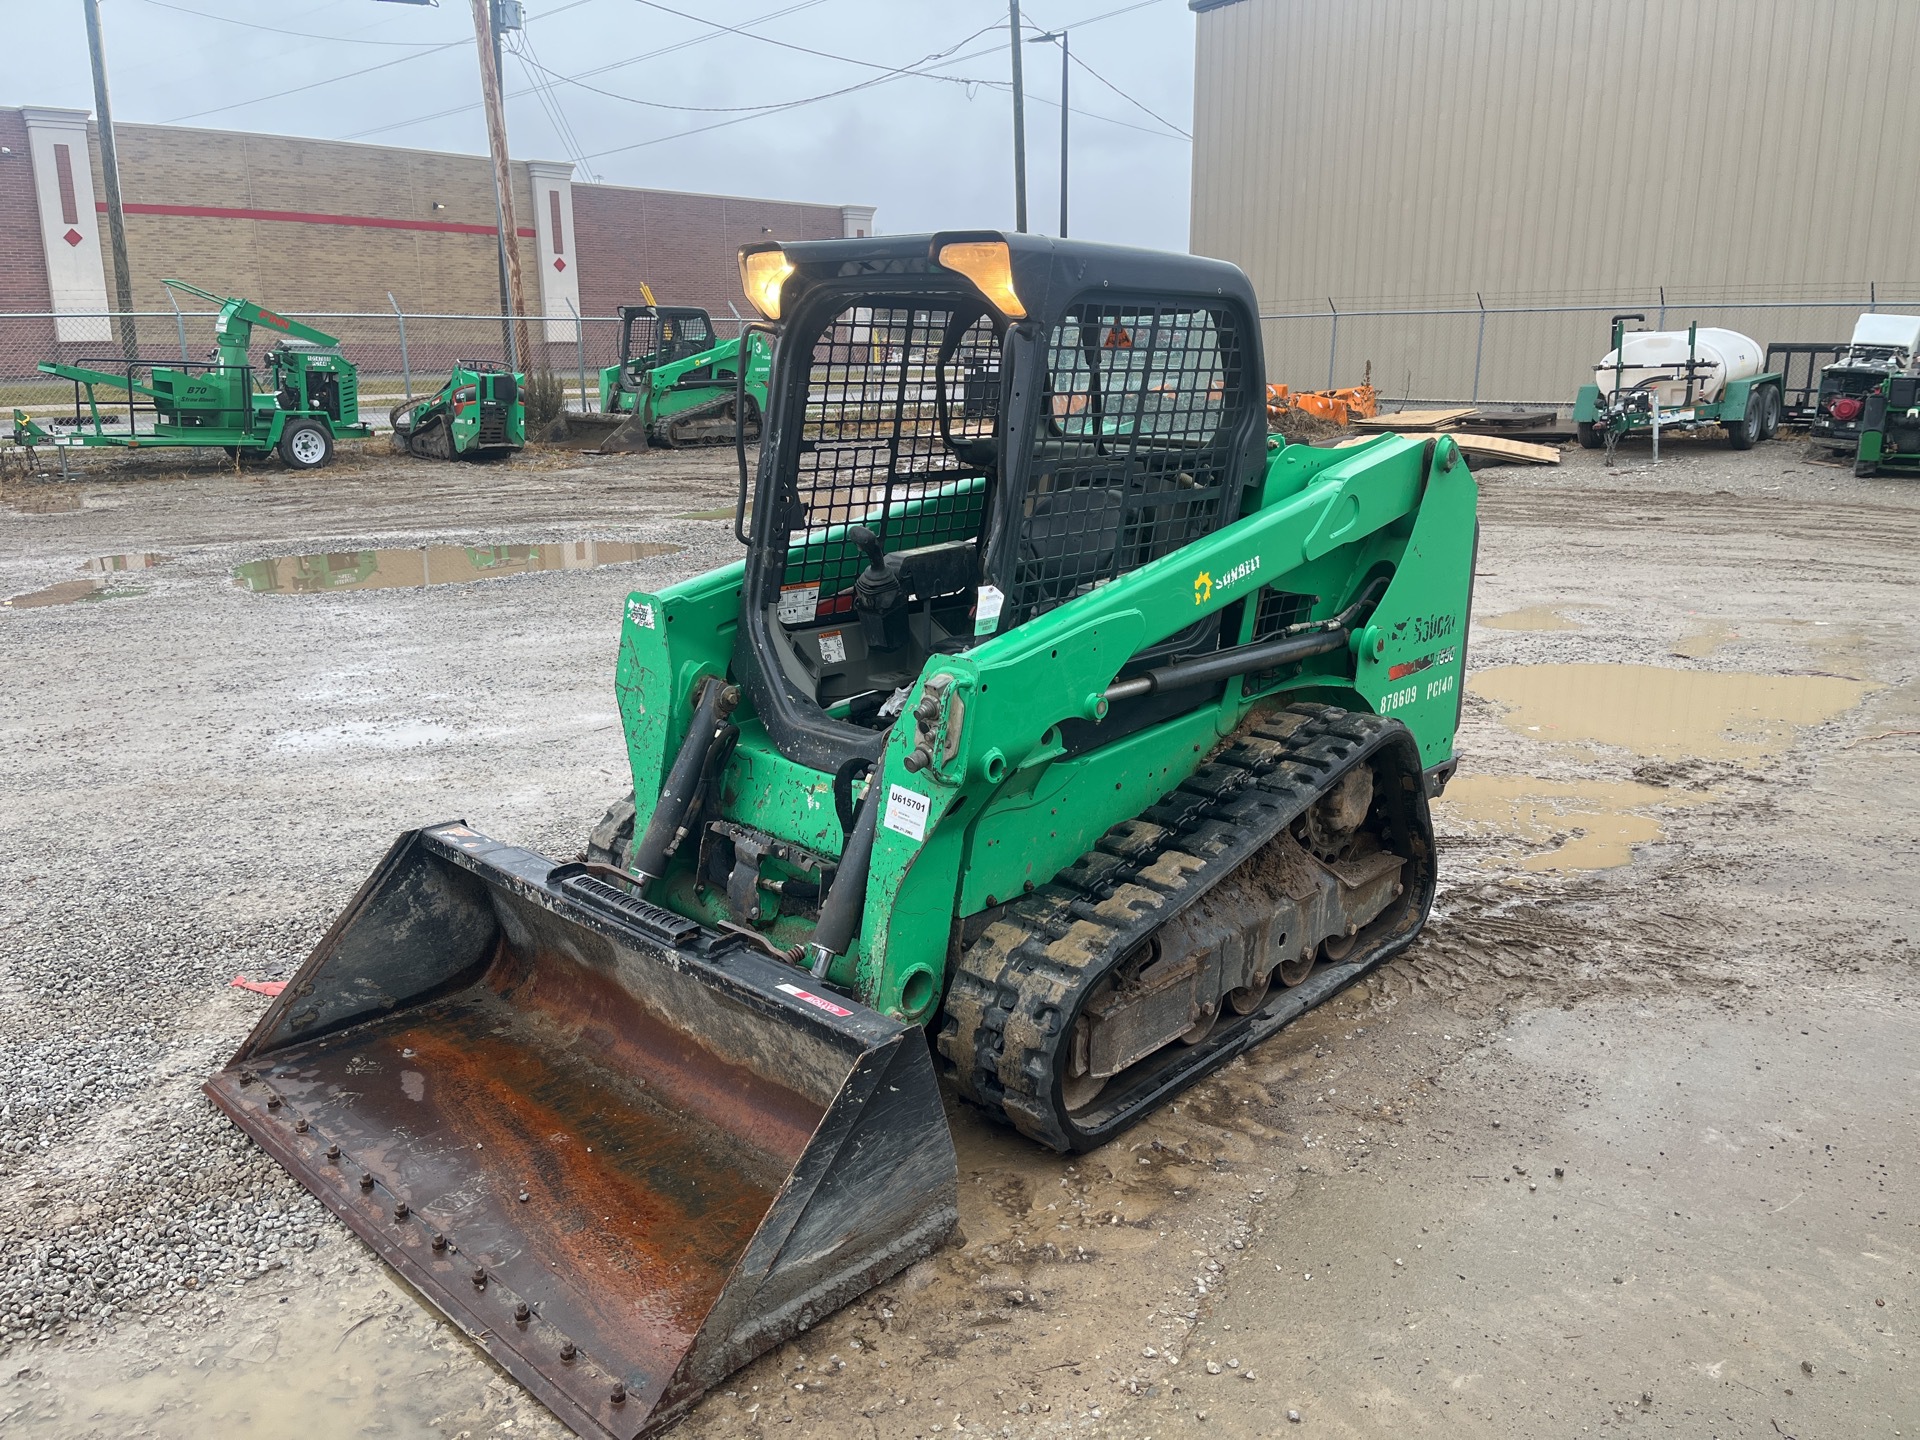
<point>947,459</point>
<point>656,335</point>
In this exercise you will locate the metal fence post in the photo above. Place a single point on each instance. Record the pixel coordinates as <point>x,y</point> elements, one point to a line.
<point>1873,295</point>
<point>179,322</point>
<point>1662,323</point>
<point>580,349</point>
<point>1479,345</point>
<point>406,371</point>
<point>1333,346</point>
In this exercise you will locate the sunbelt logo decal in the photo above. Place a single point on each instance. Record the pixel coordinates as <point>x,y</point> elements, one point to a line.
<point>1204,584</point>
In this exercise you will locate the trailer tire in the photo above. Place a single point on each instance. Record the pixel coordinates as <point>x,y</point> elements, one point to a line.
<point>1743,432</point>
<point>1770,416</point>
<point>1589,434</point>
<point>306,445</point>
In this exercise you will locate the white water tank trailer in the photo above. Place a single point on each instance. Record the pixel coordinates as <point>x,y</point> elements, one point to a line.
<point>1660,357</point>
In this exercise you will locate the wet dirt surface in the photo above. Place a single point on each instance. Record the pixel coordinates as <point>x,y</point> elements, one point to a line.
<point>1672,957</point>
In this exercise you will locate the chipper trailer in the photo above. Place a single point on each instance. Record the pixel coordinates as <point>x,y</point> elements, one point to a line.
<point>1681,381</point>
<point>676,384</point>
<point>477,415</point>
<point>312,399</point>
<point>1065,744</point>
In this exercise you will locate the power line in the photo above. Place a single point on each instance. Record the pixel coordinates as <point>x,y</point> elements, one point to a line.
<point>522,47</point>
<point>352,74</point>
<point>296,34</point>
<point>597,70</point>
<point>1124,95</point>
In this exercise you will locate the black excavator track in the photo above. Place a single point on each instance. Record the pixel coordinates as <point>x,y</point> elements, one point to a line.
<point>690,427</point>
<point>1024,980</point>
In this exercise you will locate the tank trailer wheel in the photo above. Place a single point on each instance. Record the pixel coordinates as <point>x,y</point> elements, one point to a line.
<point>1589,434</point>
<point>306,445</point>
<point>1743,432</point>
<point>1770,420</point>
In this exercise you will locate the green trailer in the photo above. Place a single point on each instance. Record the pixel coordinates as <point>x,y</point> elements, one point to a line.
<point>312,397</point>
<point>1682,388</point>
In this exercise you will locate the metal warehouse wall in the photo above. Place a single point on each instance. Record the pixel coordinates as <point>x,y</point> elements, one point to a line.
<point>1400,153</point>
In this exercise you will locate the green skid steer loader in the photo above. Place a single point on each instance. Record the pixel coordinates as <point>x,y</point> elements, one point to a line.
<point>675,384</point>
<point>1060,735</point>
<point>477,415</point>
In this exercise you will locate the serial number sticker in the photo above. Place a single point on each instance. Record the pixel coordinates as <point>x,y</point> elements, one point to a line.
<point>833,647</point>
<point>986,614</point>
<point>818,1002</point>
<point>907,812</point>
<point>798,604</point>
<point>640,613</point>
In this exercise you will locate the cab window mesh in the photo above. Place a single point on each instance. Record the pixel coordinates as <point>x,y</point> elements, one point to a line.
<point>883,415</point>
<point>1133,455</point>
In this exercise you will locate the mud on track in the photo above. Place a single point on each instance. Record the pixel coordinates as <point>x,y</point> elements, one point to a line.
<point>1672,958</point>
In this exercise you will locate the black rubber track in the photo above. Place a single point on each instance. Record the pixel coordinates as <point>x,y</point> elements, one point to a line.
<point>1020,985</point>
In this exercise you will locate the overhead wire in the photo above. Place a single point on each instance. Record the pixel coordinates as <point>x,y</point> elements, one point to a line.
<point>597,70</point>
<point>296,34</point>
<point>354,74</point>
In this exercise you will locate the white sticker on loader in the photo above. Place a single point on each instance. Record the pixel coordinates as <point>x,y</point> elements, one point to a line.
<point>907,812</point>
<point>798,604</point>
<point>640,613</point>
<point>833,647</point>
<point>986,614</point>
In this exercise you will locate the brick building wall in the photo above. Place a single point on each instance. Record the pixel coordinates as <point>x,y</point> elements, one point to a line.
<point>23,272</point>
<point>684,246</point>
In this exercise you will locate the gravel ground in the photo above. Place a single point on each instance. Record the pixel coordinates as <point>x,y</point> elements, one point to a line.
<point>198,777</point>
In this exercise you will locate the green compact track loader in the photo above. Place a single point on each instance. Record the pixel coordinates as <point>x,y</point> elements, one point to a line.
<point>679,384</point>
<point>1059,736</point>
<point>477,415</point>
<point>312,396</point>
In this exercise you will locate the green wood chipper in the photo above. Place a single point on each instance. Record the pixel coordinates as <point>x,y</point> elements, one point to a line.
<point>477,415</point>
<point>312,396</point>
<point>1060,736</point>
<point>676,384</point>
<point>1890,428</point>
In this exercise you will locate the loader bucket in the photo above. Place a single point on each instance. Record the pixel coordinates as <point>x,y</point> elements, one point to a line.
<point>626,1153</point>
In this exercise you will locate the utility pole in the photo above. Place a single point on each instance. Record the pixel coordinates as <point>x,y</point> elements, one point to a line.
<point>1061,36</point>
<point>487,25</point>
<point>110,171</point>
<point>1019,123</point>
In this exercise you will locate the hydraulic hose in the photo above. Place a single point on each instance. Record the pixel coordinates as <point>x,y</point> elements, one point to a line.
<point>712,704</point>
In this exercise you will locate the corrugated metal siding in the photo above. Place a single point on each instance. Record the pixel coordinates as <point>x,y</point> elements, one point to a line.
<point>1382,154</point>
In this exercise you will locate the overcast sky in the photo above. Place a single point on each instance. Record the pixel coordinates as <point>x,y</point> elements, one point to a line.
<point>929,152</point>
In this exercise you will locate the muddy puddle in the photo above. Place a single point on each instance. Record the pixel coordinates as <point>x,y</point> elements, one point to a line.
<point>1533,618</point>
<point>1666,714</point>
<point>1561,826</point>
<point>290,1371</point>
<point>98,582</point>
<point>430,565</point>
<point>1565,826</point>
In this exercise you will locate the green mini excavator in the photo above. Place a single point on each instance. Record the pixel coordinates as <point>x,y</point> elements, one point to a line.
<point>1059,736</point>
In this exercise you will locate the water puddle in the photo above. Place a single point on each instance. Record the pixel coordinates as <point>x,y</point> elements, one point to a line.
<point>98,584</point>
<point>431,565</point>
<point>1706,637</point>
<point>1667,714</point>
<point>1560,826</point>
<point>320,1373</point>
<point>1534,618</point>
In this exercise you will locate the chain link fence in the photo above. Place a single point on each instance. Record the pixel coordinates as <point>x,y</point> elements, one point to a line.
<point>399,354</point>
<point>1534,350</point>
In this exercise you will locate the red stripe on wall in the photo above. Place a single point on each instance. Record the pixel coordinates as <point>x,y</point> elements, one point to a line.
<point>305,217</point>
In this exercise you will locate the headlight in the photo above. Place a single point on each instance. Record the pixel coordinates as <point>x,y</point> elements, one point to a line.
<point>762,273</point>
<point>989,265</point>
